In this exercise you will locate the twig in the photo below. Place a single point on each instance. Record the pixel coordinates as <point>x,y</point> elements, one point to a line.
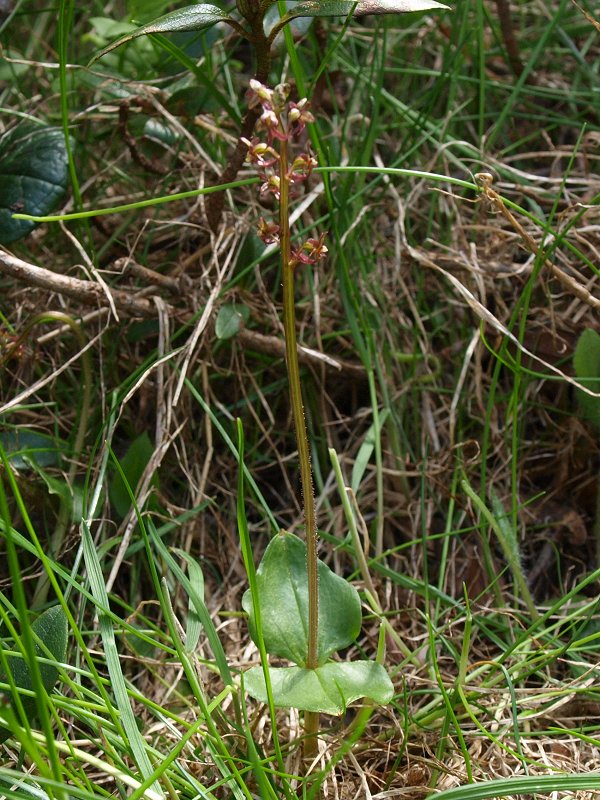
<point>484,180</point>
<point>510,41</point>
<point>87,292</point>
<point>90,293</point>
<point>216,201</point>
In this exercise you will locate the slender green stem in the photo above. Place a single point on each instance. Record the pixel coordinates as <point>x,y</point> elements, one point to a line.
<point>289,324</point>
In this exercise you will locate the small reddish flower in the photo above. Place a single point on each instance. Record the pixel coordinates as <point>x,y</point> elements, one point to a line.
<point>280,95</point>
<point>268,231</point>
<point>261,94</point>
<point>311,251</point>
<point>302,167</point>
<point>260,153</point>
<point>299,116</point>
<point>271,122</point>
<point>272,185</point>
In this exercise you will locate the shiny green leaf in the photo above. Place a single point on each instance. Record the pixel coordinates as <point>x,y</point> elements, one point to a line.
<point>191,18</point>
<point>33,176</point>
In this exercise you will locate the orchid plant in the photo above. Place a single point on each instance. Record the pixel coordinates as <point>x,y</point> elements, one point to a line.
<point>306,612</point>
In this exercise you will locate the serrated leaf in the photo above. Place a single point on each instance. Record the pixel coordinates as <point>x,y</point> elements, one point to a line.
<point>329,689</point>
<point>361,8</point>
<point>51,628</point>
<point>230,319</point>
<point>586,361</point>
<point>282,587</point>
<point>191,18</point>
<point>33,176</point>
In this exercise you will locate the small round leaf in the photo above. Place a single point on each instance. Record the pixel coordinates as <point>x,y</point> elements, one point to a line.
<point>230,319</point>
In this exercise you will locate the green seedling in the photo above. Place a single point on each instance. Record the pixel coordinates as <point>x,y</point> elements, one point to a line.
<point>307,613</point>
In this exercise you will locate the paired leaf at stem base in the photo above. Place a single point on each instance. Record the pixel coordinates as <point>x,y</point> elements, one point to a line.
<point>282,588</point>
<point>328,689</point>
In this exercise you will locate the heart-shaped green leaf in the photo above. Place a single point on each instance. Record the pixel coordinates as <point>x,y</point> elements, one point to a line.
<point>329,689</point>
<point>33,176</point>
<point>360,8</point>
<point>191,18</point>
<point>51,628</point>
<point>586,361</point>
<point>282,587</point>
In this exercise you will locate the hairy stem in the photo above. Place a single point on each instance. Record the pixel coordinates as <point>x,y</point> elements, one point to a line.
<point>289,324</point>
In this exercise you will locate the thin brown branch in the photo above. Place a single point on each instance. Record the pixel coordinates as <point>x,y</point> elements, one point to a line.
<point>92,294</point>
<point>510,40</point>
<point>87,292</point>
<point>216,201</point>
<point>272,345</point>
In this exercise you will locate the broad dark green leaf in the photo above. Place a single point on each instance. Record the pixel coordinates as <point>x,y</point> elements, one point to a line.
<point>586,362</point>
<point>282,587</point>
<point>51,628</point>
<point>24,447</point>
<point>329,689</point>
<point>191,18</point>
<point>360,8</point>
<point>33,176</point>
